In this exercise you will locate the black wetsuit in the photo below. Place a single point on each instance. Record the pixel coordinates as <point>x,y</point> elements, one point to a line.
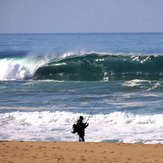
<point>81,132</point>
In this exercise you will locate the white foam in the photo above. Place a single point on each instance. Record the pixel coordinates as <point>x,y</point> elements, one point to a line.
<point>20,69</point>
<point>12,71</point>
<point>135,82</point>
<point>57,126</point>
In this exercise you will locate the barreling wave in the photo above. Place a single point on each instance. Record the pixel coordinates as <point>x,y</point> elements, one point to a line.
<point>97,67</point>
<point>85,67</point>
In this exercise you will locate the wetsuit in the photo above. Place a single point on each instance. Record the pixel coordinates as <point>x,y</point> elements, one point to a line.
<point>81,132</point>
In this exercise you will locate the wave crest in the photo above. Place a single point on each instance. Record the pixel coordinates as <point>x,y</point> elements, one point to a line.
<point>84,67</point>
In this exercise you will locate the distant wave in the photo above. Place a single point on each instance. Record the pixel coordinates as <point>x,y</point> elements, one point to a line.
<point>85,67</point>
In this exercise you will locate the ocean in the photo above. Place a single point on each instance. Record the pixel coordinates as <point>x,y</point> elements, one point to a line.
<point>114,80</point>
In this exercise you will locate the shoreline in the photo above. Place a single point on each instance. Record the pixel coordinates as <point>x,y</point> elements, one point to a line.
<point>88,152</point>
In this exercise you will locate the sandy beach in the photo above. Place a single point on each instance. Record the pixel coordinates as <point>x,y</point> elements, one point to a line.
<point>76,152</point>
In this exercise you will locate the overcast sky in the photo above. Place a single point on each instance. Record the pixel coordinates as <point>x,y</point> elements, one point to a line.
<point>73,16</point>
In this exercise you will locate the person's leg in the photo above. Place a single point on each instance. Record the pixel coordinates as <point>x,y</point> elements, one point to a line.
<point>81,138</point>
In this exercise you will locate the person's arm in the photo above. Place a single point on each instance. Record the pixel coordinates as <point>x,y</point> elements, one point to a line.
<point>86,124</point>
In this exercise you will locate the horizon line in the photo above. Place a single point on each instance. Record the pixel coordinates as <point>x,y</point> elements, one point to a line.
<point>79,32</point>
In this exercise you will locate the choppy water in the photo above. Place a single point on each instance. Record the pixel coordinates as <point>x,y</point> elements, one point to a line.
<point>114,80</point>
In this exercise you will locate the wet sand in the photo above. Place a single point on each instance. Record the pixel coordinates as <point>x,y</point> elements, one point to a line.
<point>76,152</point>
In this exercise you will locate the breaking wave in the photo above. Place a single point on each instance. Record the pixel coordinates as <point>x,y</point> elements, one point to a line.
<point>85,67</point>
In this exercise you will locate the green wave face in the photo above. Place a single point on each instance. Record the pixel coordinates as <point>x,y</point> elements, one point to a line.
<point>82,68</point>
<point>97,67</point>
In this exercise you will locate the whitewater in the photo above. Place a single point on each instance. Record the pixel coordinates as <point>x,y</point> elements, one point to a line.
<point>114,80</point>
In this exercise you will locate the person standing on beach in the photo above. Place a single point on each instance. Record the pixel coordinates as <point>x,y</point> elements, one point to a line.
<point>81,128</point>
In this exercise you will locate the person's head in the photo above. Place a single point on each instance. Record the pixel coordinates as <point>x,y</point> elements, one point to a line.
<point>81,118</point>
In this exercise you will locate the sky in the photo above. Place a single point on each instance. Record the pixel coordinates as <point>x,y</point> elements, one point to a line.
<point>80,16</point>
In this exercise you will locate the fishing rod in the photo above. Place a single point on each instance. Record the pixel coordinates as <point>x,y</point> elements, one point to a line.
<point>92,110</point>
